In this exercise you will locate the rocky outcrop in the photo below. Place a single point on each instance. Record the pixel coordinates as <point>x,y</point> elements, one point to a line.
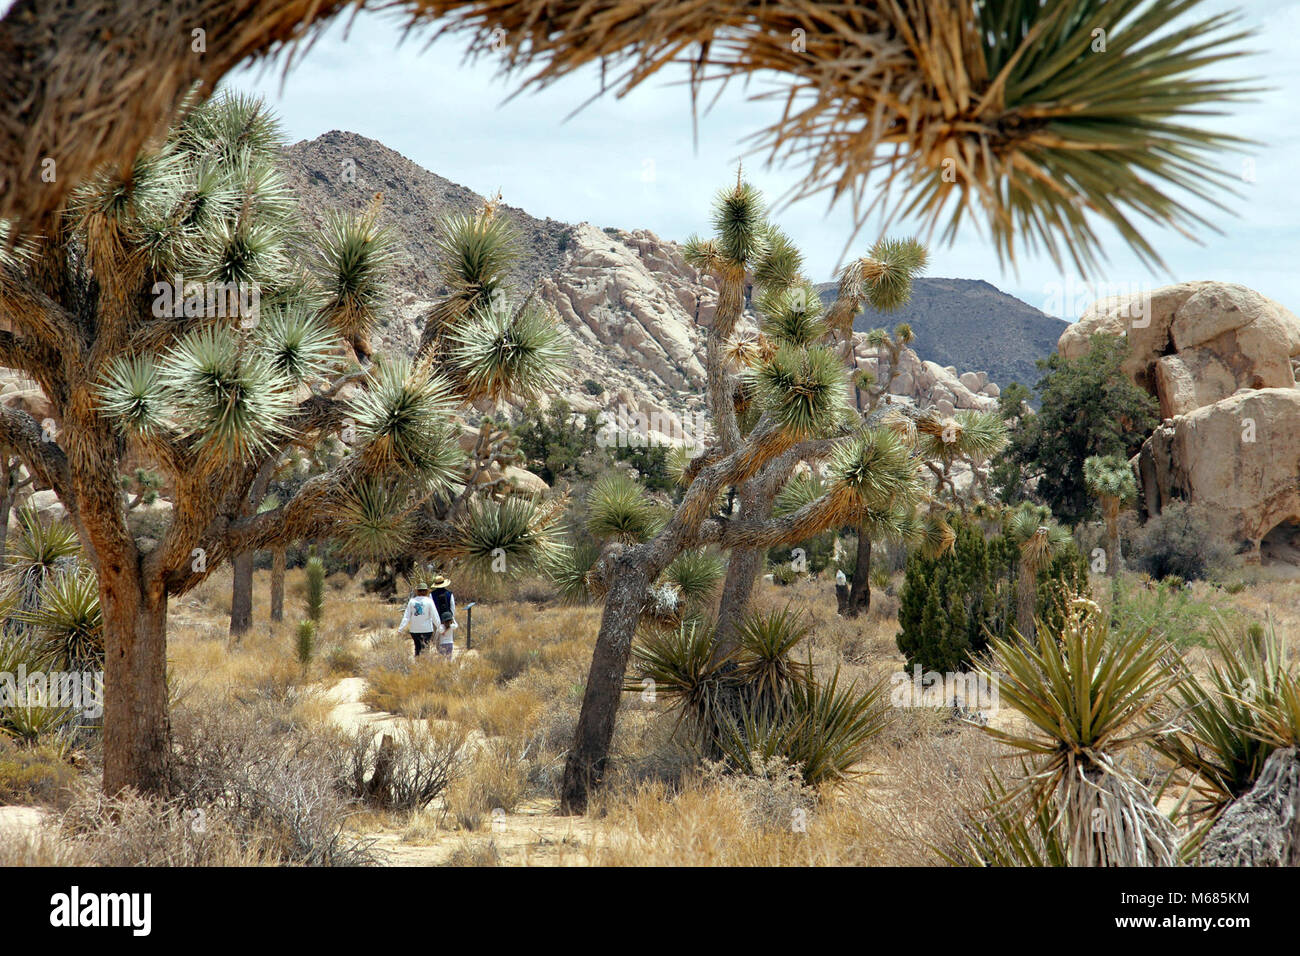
<point>1222,361</point>
<point>1195,343</point>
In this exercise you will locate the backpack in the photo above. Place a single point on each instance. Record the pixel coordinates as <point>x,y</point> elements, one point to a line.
<point>442,601</point>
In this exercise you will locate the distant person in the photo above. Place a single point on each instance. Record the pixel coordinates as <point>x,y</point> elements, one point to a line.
<point>841,590</point>
<point>445,602</point>
<point>420,619</point>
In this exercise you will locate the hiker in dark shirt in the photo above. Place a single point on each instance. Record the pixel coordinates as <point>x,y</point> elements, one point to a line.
<point>445,602</point>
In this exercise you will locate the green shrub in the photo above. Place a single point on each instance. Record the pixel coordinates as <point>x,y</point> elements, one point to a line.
<point>950,605</point>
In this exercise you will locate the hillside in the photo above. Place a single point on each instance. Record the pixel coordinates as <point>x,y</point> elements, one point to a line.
<point>636,311</point>
<point>970,324</point>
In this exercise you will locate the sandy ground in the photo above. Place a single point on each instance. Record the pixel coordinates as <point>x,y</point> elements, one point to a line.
<point>530,835</point>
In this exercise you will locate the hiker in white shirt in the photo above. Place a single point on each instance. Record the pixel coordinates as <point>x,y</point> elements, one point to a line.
<point>445,603</point>
<point>420,619</point>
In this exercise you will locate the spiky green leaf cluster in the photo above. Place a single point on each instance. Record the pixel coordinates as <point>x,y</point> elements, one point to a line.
<point>297,345</point>
<point>804,390</point>
<point>792,315</point>
<point>1109,476</point>
<point>696,576</point>
<point>475,256</point>
<point>227,398</point>
<point>357,258</point>
<point>878,466</point>
<point>375,520</point>
<point>66,622</point>
<point>500,351</point>
<point>619,509</point>
<point>402,424</point>
<point>499,539</point>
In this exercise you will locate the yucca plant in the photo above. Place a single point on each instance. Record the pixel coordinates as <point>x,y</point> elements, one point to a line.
<point>1111,479</point>
<point>764,665</point>
<point>1001,833</point>
<point>1088,697</point>
<point>820,727</point>
<point>682,668</point>
<point>66,624</point>
<point>1257,828</point>
<point>314,602</point>
<point>40,549</point>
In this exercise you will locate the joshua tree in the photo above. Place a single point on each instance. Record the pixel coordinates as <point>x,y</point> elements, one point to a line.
<point>1041,540</point>
<point>184,373</point>
<point>777,399</point>
<point>1111,479</point>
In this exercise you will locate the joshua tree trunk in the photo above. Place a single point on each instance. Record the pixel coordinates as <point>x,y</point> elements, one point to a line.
<point>743,567</point>
<point>1026,599</point>
<point>1115,560</point>
<point>277,582</point>
<point>860,589</point>
<point>241,586</point>
<point>241,593</point>
<point>136,729</point>
<point>6,505</point>
<point>585,766</point>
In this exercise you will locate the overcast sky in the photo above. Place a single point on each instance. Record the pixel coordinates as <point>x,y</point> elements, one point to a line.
<point>632,163</point>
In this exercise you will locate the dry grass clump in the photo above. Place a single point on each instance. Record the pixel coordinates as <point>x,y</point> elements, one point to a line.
<point>912,803</point>
<point>474,853</point>
<point>39,774</point>
<point>774,795</point>
<point>130,830</point>
<point>405,770</point>
<point>428,687</point>
<point>496,780</point>
<point>277,783</point>
<point>40,849</point>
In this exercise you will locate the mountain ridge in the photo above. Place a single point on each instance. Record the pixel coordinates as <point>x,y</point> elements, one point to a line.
<point>638,313</point>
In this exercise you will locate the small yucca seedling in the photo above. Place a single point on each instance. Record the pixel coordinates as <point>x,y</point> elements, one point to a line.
<point>304,641</point>
<point>315,589</point>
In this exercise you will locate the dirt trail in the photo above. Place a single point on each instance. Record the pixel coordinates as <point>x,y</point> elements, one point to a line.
<point>532,834</point>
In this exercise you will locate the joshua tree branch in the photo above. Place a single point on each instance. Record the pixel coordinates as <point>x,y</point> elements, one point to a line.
<point>44,458</point>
